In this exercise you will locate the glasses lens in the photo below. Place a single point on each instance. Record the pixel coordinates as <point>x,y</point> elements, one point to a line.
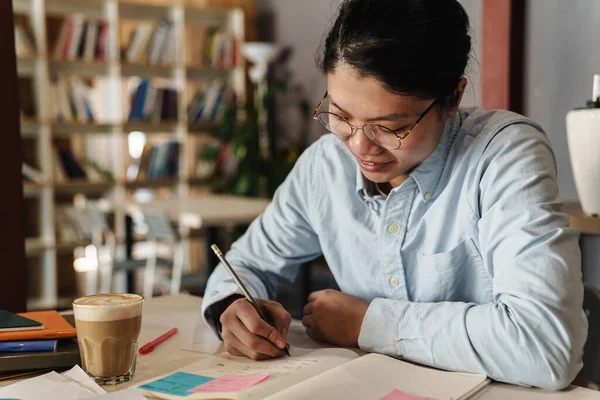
<point>381,136</point>
<point>335,125</point>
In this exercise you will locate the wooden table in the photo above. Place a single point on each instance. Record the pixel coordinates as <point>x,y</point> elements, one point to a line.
<point>196,212</point>
<point>163,313</point>
<point>588,224</point>
<point>208,212</point>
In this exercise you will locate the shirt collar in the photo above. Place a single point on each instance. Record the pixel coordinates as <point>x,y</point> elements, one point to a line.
<point>427,174</point>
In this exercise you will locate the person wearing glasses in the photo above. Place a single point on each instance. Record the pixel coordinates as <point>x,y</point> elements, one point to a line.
<point>441,225</point>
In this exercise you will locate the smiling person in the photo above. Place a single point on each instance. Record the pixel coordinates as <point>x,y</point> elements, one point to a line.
<point>441,225</point>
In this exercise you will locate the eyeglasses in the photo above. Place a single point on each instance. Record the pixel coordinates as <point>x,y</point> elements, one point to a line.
<point>379,135</point>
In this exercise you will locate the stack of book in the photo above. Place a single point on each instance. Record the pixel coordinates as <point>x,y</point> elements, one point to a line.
<point>151,43</point>
<point>159,160</point>
<point>81,38</point>
<point>210,103</point>
<point>71,100</point>
<point>210,48</point>
<point>36,340</point>
<point>153,104</point>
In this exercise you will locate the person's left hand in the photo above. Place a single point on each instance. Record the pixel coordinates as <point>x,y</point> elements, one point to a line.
<point>334,317</point>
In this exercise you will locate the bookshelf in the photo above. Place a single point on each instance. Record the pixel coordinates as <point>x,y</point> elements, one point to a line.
<point>105,140</point>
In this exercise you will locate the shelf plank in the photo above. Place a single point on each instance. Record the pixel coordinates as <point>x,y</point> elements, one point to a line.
<point>30,128</point>
<point>91,8</point>
<point>143,11</point>
<point>198,73</point>
<point>152,183</point>
<point>79,67</point>
<point>31,190</point>
<point>34,246</point>
<point>69,128</point>
<point>148,71</point>
<point>149,127</point>
<point>205,17</point>
<point>588,224</point>
<point>26,66</point>
<point>83,186</point>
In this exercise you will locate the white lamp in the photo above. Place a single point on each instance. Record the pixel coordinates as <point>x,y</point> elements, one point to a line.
<point>583,137</point>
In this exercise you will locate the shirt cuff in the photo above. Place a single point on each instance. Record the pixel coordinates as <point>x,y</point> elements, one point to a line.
<point>378,333</point>
<point>209,300</point>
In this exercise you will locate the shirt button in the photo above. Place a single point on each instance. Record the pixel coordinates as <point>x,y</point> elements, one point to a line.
<point>393,228</point>
<point>394,281</point>
<point>427,196</point>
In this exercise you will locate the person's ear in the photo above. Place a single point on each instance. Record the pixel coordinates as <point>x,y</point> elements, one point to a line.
<point>458,94</point>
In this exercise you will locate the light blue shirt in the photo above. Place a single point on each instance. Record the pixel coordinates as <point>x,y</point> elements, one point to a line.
<point>469,265</point>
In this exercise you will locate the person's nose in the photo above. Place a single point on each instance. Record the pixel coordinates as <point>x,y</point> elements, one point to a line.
<point>361,145</point>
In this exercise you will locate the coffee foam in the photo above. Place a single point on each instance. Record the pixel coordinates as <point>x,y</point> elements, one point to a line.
<point>108,307</point>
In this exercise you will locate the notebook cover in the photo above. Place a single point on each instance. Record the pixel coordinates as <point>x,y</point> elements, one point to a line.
<point>55,327</point>
<point>10,322</point>
<point>65,356</point>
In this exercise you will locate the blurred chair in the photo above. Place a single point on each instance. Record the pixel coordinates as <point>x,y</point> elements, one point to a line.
<point>160,231</point>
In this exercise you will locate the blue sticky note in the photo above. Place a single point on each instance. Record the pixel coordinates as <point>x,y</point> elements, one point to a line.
<point>176,384</point>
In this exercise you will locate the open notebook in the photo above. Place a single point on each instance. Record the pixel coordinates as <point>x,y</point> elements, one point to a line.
<point>331,373</point>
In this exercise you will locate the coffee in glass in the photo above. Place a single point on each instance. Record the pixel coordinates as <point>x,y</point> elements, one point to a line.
<point>108,326</point>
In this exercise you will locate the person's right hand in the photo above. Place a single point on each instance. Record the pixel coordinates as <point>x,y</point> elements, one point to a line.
<point>244,333</point>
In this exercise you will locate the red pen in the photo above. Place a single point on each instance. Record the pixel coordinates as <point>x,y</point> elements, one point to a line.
<point>148,347</point>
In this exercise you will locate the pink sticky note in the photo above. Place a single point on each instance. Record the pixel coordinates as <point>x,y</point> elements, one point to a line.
<point>398,395</point>
<point>230,383</point>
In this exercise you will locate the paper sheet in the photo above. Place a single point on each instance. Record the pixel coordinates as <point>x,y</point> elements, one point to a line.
<point>127,394</point>
<point>230,383</point>
<point>284,372</point>
<point>374,376</point>
<point>72,385</point>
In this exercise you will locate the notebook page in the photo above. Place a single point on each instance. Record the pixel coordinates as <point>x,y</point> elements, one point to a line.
<point>284,372</point>
<point>373,376</point>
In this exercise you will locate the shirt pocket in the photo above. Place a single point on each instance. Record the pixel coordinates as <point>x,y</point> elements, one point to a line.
<point>455,275</point>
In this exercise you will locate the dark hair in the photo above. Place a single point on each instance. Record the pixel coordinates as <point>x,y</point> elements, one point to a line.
<point>417,48</point>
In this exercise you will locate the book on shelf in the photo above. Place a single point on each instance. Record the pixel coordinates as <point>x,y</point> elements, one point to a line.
<point>68,167</point>
<point>71,100</point>
<point>151,43</point>
<point>33,174</point>
<point>159,160</point>
<point>206,47</point>
<point>78,37</point>
<point>221,50</point>
<point>210,103</point>
<point>153,104</point>
<point>73,225</point>
<point>24,40</point>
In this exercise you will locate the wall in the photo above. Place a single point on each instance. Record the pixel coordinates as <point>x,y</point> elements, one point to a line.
<point>561,40</point>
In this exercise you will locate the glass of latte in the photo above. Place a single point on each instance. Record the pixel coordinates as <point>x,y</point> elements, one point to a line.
<point>108,326</point>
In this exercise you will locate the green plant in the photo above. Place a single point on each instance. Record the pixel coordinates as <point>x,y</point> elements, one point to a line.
<point>238,132</point>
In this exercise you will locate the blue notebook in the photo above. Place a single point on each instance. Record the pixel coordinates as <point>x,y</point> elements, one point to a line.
<point>28,346</point>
